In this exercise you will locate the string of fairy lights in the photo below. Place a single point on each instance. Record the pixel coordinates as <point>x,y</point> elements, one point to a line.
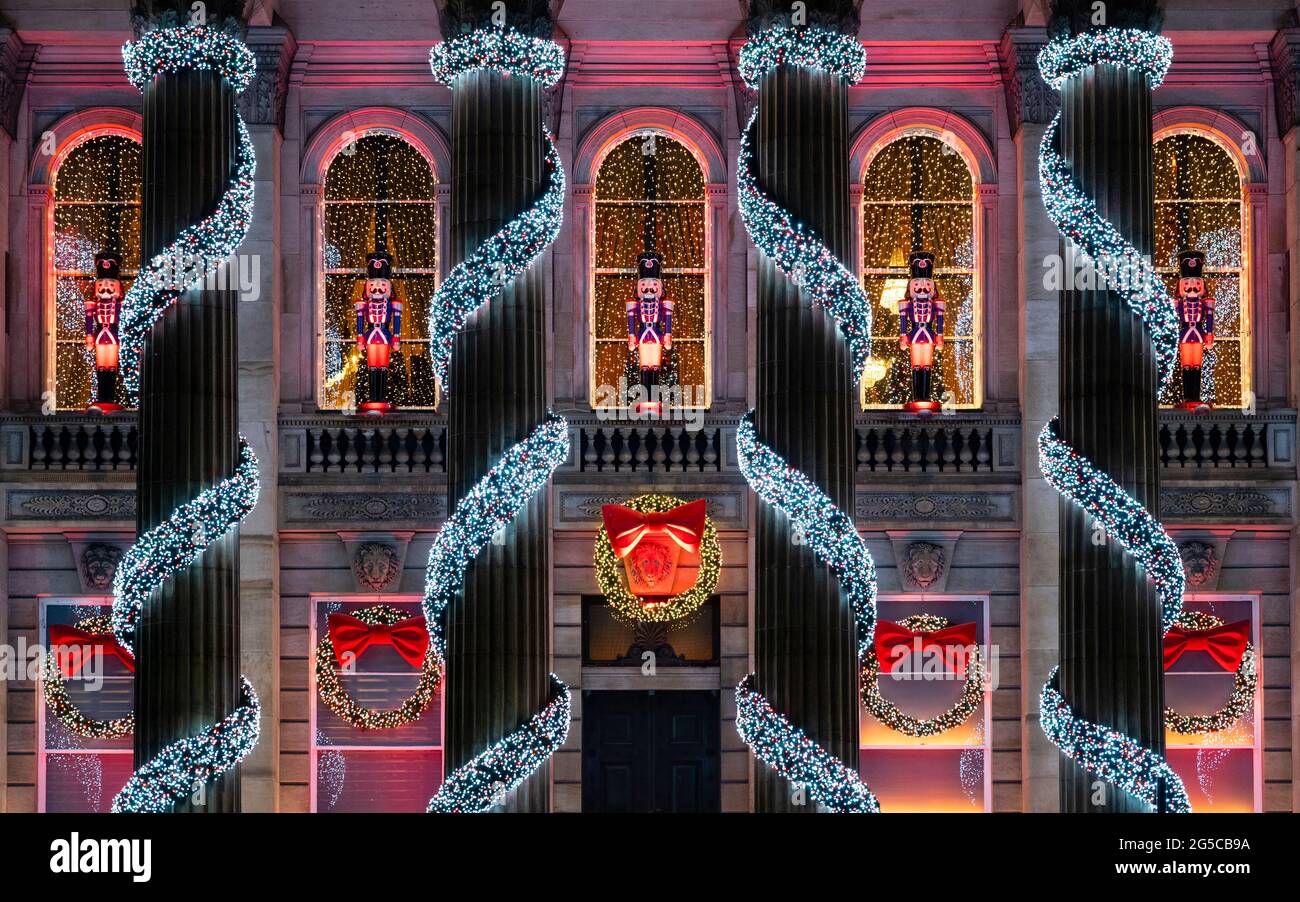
<point>631,609</point>
<point>335,696</point>
<point>493,502</point>
<point>1099,749</point>
<point>524,469</point>
<point>178,541</point>
<point>919,194</point>
<point>832,537</point>
<point>795,250</point>
<point>509,252</point>
<point>379,192</point>
<point>828,531</point>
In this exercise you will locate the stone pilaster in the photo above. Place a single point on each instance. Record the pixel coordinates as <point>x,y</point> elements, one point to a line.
<point>1031,104</point>
<point>260,307</point>
<point>1285,53</point>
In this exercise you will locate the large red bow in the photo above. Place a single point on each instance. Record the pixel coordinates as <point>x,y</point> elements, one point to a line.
<point>351,637</point>
<point>683,524</point>
<point>952,641</point>
<point>1226,643</point>
<point>80,646</point>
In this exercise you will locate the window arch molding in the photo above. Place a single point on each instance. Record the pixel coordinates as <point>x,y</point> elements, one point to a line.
<point>974,148</point>
<point>36,374</point>
<point>1229,132</point>
<point>328,140</point>
<point>595,146</point>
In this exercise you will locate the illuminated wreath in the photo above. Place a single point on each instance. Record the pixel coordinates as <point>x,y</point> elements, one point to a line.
<point>337,699</point>
<point>56,692</point>
<point>888,713</point>
<point>631,608</point>
<point>1243,686</point>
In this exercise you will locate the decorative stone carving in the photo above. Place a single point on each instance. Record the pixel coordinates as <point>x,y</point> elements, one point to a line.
<point>376,565</point>
<point>1226,501</point>
<point>1200,563</point>
<point>1029,98</point>
<point>99,566</point>
<point>263,101</point>
<point>923,564</point>
<point>930,507</point>
<point>13,78</point>
<point>365,507</point>
<point>581,507</point>
<point>72,504</point>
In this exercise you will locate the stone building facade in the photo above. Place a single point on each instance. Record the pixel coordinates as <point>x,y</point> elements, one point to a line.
<point>953,508</point>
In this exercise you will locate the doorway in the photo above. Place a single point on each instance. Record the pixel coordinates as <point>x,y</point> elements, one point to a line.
<point>656,751</point>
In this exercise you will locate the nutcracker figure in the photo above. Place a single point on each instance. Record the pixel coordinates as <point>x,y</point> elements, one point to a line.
<point>379,328</point>
<point>1196,326</point>
<point>650,326</point>
<point>920,323</point>
<point>103,313</point>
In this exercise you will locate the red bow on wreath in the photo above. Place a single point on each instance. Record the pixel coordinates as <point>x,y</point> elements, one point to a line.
<point>952,641</point>
<point>351,637</point>
<point>626,528</point>
<point>79,646</point>
<point>1225,644</point>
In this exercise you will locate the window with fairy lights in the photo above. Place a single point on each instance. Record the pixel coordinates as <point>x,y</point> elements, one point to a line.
<point>680,222</point>
<point>918,194</point>
<point>1200,206</point>
<point>96,209</point>
<point>925,740</point>
<point>1213,692</point>
<point>389,769</point>
<point>79,771</point>
<point>380,193</point>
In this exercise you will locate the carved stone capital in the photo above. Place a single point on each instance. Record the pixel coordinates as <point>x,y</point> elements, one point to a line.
<point>13,79</point>
<point>263,102</point>
<point>1285,55</point>
<point>1029,98</point>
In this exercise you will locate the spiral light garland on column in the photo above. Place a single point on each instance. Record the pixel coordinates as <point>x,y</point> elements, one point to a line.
<point>497,498</point>
<point>178,541</point>
<point>831,535</point>
<point>482,275</point>
<point>1098,749</point>
<point>797,252</point>
<point>807,261</point>
<point>199,248</point>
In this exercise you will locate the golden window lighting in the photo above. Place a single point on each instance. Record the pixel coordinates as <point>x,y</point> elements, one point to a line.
<point>380,187</point>
<point>681,236</point>
<point>919,194</point>
<point>1198,191</point>
<point>96,209</point>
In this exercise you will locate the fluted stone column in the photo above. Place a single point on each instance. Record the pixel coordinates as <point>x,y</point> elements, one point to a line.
<point>805,651</point>
<point>1111,666</point>
<point>187,644</point>
<point>497,630</point>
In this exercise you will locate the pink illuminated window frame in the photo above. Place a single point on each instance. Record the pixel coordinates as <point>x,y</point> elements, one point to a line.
<point>934,604</point>
<point>314,746</point>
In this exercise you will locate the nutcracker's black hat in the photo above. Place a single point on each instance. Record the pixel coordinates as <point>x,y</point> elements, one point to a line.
<point>1191,265</point>
<point>379,265</point>
<point>108,266</point>
<point>650,266</point>
<point>921,265</point>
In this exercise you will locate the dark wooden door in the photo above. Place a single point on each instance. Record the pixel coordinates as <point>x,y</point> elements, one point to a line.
<point>651,751</point>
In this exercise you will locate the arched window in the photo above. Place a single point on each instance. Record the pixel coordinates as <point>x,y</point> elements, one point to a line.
<point>681,218</point>
<point>919,195</point>
<point>1199,206</point>
<point>380,192</point>
<point>96,209</point>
